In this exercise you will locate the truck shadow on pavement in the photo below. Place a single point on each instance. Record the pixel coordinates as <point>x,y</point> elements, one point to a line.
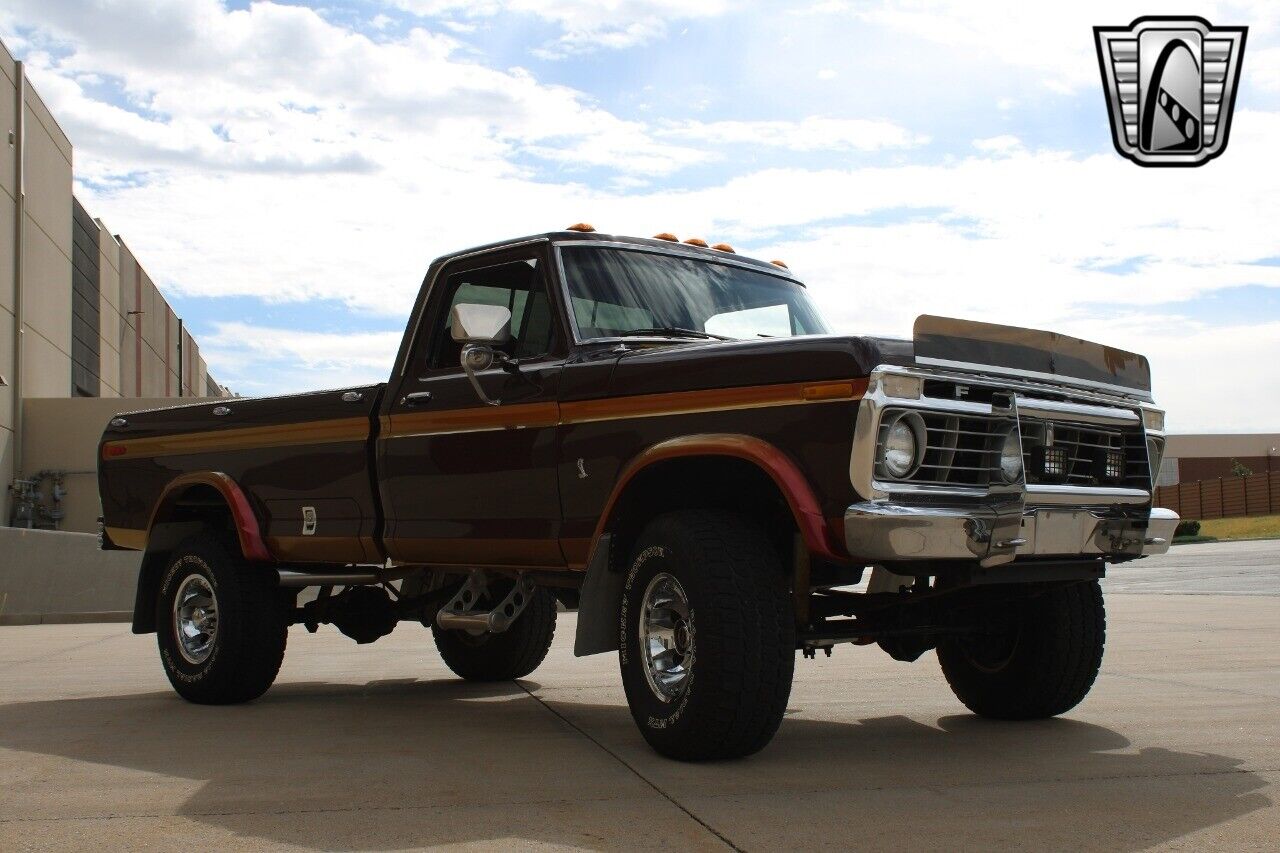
<point>403,763</point>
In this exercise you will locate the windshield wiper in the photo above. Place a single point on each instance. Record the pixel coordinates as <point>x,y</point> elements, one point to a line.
<point>674,332</point>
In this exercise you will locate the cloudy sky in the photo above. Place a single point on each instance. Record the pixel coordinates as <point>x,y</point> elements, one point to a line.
<point>286,172</point>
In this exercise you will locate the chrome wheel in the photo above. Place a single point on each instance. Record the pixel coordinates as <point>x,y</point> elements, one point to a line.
<point>195,618</point>
<point>666,637</point>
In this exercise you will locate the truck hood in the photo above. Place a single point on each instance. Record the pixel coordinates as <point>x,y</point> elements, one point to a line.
<point>965,344</point>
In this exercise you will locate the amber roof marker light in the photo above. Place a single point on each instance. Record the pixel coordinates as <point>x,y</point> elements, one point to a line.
<point>666,235</point>
<point>584,227</point>
<point>724,247</point>
<point>778,263</point>
<point>697,241</point>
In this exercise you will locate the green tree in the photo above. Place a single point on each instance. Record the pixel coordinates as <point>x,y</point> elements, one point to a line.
<point>1239,469</point>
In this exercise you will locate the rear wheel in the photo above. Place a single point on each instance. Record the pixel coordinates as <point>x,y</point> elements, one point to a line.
<point>1038,657</point>
<point>220,624</point>
<point>707,646</point>
<point>514,653</point>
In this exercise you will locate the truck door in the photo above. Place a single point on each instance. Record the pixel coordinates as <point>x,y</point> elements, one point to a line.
<point>464,483</point>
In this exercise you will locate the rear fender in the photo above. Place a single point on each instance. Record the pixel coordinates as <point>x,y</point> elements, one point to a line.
<point>165,531</point>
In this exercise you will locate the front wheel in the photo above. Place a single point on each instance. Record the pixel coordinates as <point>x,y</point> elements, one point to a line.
<point>707,646</point>
<point>1033,657</point>
<point>220,624</point>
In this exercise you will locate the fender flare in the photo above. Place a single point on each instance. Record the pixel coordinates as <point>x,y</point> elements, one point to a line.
<point>784,472</point>
<point>601,592</point>
<point>245,521</point>
<point>247,528</point>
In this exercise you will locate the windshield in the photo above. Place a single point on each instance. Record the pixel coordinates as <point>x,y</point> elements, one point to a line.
<point>616,292</point>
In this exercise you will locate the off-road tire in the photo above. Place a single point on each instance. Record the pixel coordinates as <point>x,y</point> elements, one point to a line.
<point>512,654</point>
<point>252,625</point>
<point>1056,641</point>
<point>743,633</point>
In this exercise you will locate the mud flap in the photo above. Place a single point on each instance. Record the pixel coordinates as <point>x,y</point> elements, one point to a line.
<point>600,603</point>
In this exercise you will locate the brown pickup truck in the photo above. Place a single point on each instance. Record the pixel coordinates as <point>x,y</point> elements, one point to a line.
<point>666,437</point>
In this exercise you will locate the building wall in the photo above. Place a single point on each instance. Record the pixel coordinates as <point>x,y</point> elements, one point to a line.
<point>1211,468</point>
<point>1208,456</point>
<point>47,250</point>
<point>62,435</point>
<point>79,285</point>
<point>86,307</point>
<point>45,227</point>
<point>111,321</point>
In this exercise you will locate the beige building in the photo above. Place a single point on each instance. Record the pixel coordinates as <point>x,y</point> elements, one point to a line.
<point>1208,456</point>
<point>79,316</point>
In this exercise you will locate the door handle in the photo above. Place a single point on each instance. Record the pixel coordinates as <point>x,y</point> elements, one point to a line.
<point>221,411</point>
<point>352,397</point>
<point>417,398</point>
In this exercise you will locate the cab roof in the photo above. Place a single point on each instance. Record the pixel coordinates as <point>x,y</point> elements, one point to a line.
<point>668,246</point>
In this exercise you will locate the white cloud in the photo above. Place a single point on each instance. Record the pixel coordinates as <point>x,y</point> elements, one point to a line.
<point>1003,143</point>
<point>585,25</point>
<point>1052,42</point>
<point>1264,68</point>
<point>261,358</point>
<point>278,88</point>
<point>814,133</point>
<point>827,74</point>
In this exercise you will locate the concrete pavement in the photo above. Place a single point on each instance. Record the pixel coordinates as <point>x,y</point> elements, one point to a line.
<point>379,747</point>
<point>1203,568</point>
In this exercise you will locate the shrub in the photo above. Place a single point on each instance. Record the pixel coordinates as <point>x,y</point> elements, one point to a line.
<point>1239,469</point>
<point>1186,528</point>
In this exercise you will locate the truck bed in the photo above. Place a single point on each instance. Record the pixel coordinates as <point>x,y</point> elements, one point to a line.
<point>286,453</point>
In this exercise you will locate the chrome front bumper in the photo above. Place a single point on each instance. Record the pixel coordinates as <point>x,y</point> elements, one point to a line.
<point>888,532</point>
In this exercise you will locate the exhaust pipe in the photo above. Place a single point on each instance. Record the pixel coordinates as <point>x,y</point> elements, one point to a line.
<point>293,579</point>
<point>452,620</point>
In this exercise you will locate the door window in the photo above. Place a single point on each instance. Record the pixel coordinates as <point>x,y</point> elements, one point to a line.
<point>517,287</point>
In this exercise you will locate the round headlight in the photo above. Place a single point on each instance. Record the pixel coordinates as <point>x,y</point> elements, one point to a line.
<point>903,446</point>
<point>1011,457</point>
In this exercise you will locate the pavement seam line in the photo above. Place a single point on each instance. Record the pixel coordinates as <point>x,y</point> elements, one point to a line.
<point>643,778</point>
<point>1176,683</point>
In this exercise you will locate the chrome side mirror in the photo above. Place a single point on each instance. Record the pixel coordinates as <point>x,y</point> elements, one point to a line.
<point>480,324</point>
<point>479,328</point>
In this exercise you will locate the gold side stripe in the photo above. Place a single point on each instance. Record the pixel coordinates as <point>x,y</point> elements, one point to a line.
<point>618,408</point>
<point>515,416</point>
<point>720,399</point>
<point>242,438</point>
<point>471,420</point>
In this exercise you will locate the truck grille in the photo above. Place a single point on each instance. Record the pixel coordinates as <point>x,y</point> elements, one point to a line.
<point>1085,446</point>
<point>964,450</point>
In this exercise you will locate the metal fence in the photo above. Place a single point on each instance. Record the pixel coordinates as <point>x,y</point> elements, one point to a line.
<point>1226,497</point>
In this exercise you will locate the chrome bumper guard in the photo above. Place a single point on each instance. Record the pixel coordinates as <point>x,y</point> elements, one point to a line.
<point>888,532</point>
